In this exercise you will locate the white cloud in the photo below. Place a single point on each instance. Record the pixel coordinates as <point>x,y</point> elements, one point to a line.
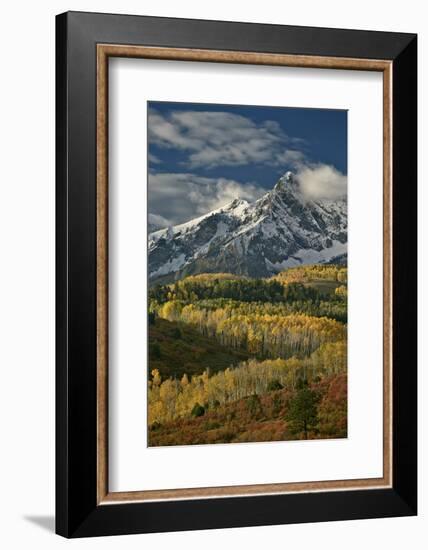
<point>219,138</point>
<point>158,221</point>
<point>154,159</point>
<point>181,197</point>
<point>291,157</point>
<point>322,181</point>
<point>213,139</point>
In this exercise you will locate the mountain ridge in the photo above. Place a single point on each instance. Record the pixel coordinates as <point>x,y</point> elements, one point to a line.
<point>283,228</point>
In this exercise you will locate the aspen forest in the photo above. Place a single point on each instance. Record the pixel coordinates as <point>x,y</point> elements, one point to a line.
<point>239,359</point>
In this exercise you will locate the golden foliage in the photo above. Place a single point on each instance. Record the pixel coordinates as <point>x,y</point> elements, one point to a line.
<point>313,273</point>
<point>172,399</point>
<point>260,333</point>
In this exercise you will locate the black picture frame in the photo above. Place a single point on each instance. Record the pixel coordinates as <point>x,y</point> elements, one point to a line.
<point>77,511</point>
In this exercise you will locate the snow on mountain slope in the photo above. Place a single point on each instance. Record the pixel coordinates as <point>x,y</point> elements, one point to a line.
<point>281,229</point>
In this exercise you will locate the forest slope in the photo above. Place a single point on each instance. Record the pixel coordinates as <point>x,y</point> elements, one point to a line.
<point>176,348</point>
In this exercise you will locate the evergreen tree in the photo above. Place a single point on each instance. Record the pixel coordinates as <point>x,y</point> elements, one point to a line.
<point>302,412</point>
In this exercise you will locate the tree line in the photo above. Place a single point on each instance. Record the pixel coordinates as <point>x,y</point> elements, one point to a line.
<point>170,399</point>
<point>192,289</point>
<point>317,272</point>
<point>260,333</point>
<point>335,309</point>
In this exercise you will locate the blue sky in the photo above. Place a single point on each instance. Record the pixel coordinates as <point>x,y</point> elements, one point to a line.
<point>201,156</point>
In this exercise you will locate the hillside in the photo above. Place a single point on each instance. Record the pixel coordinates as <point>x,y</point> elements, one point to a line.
<point>258,418</point>
<point>229,355</point>
<point>325,278</point>
<point>175,349</point>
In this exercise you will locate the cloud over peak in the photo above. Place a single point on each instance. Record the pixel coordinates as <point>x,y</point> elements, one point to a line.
<point>191,146</point>
<point>321,181</point>
<point>179,197</point>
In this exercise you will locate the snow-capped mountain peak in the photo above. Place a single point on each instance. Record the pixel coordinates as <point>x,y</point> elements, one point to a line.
<point>287,179</point>
<point>279,230</point>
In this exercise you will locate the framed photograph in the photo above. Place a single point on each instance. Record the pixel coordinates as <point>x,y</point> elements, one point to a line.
<point>236,274</point>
